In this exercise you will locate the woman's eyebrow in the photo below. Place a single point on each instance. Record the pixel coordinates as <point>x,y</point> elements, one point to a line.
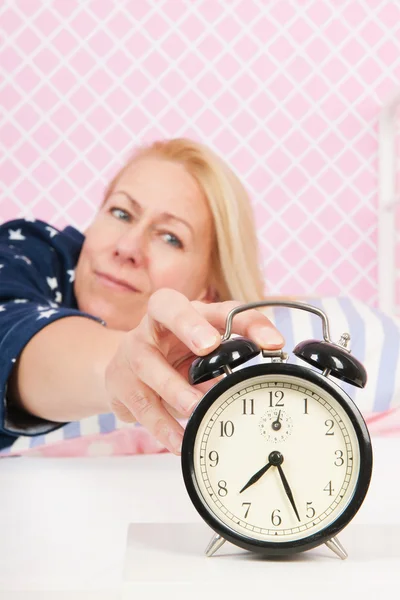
<point>165,215</point>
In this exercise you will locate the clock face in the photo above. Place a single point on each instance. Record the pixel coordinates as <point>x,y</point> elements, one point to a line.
<point>276,457</point>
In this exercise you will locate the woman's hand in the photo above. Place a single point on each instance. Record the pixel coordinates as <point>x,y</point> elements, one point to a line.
<point>147,378</point>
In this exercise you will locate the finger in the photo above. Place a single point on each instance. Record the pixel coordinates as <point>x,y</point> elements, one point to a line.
<point>146,407</point>
<point>152,368</point>
<point>172,310</point>
<point>121,411</point>
<point>199,324</point>
<point>251,323</point>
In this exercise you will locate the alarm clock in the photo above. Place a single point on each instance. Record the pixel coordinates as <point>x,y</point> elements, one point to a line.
<point>276,457</point>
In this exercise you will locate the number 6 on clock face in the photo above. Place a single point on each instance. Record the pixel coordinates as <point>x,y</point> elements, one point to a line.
<point>276,457</point>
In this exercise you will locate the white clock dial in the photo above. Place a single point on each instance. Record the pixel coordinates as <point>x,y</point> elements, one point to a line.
<point>316,441</point>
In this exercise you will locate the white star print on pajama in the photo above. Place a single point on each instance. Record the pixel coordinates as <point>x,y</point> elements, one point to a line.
<point>47,314</point>
<point>52,282</point>
<point>15,234</point>
<point>51,231</point>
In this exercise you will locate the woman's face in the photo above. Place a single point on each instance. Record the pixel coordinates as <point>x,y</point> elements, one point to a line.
<point>154,231</point>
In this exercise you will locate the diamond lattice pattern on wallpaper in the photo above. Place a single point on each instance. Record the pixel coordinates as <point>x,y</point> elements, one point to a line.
<point>288,92</point>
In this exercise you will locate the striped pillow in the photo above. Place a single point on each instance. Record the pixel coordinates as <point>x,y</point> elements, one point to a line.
<point>375,341</point>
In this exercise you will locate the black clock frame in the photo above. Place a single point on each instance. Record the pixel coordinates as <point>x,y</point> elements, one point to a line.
<point>364,441</point>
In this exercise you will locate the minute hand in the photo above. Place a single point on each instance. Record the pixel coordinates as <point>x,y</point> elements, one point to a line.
<point>288,490</point>
<point>256,476</point>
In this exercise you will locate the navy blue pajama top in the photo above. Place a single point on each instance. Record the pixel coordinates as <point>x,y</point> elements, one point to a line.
<point>37,269</point>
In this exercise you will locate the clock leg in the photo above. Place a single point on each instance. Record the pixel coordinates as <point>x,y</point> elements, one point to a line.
<point>336,547</point>
<point>215,543</point>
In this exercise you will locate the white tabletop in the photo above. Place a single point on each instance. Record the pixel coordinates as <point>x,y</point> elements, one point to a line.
<point>64,522</point>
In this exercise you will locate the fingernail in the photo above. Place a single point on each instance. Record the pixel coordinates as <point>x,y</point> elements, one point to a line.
<point>270,337</point>
<point>204,337</point>
<point>187,400</point>
<point>175,441</point>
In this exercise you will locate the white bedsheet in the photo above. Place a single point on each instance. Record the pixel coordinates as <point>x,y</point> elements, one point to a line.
<point>64,526</point>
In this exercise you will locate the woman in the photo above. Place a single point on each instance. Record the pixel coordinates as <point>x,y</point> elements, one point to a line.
<point>170,248</point>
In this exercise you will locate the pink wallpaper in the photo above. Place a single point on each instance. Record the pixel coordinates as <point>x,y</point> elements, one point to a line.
<point>288,91</point>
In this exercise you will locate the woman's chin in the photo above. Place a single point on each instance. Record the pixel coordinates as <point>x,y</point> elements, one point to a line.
<point>122,317</point>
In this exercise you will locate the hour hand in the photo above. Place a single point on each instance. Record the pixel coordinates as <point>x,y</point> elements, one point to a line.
<point>276,425</point>
<point>256,476</point>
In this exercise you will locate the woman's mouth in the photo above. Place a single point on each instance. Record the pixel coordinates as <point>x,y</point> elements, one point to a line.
<point>115,283</point>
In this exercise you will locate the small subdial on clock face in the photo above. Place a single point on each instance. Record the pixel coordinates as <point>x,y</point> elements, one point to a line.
<point>275,425</point>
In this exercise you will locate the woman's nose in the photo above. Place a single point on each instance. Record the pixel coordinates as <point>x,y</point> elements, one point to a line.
<point>131,246</point>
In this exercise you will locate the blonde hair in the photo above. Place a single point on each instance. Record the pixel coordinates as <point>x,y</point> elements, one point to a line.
<point>235,269</point>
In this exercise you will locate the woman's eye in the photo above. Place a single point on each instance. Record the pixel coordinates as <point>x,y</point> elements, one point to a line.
<point>120,214</point>
<point>173,240</point>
